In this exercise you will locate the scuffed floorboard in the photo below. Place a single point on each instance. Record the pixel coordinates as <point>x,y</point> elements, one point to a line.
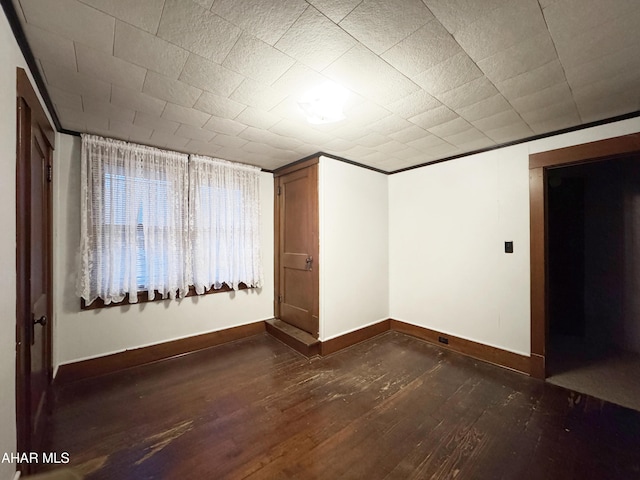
<point>393,407</point>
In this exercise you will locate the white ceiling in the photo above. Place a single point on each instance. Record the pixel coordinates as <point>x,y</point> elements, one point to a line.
<point>428,79</point>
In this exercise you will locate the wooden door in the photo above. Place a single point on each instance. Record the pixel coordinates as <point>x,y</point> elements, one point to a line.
<point>297,246</point>
<point>35,141</point>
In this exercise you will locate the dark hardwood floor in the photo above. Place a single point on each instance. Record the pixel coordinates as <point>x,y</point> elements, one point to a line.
<point>393,407</point>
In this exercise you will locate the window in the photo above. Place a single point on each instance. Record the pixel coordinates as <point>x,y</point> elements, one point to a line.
<point>157,221</point>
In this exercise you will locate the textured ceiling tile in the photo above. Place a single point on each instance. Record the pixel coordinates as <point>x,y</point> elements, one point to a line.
<point>509,133</point>
<point>257,60</point>
<point>108,68</point>
<point>258,118</point>
<point>358,152</point>
<point>289,108</point>
<point>65,99</point>
<point>315,40</point>
<point>375,158</point>
<point>336,10</point>
<point>253,134</point>
<point>451,73</point>
<point>428,142</point>
<point>423,49</point>
<point>51,47</point>
<point>82,121</point>
<point>414,104</point>
<point>391,148</point>
<point>380,24</point>
<point>365,112</point>
<point>468,94</point>
<point>195,133</point>
<point>202,148</point>
<point>372,140</point>
<point>300,131</point>
<point>74,82</point>
<point>204,3</point>
<point>389,125</point>
<point>613,96</point>
<point>409,134</point>
<point>149,51</point>
<point>156,123</point>
<point>188,116</point>
<point>470,140</point>
<point>196,29</point>
<point>556,94</point>
<point>164,140</point>
<point>337,145</point>
<point>501,28</point>
<point>136,100</point>
<point>228,141</point>
<point>565,111</point>
<point>218,106</point>
<point>628,81</point>
<point>610,37</point>
<point>455,14</point>
<point>356,68</point>
<point>256,95</point>
<point>434,117</point>
<point>207,75</point>
<point>170,90</point>
<point>130,131</point>
<point>617,63</point>
<point>72,20</point>
<point>266,19</point>
<point>442,150</point>
<point>499,120</point>
<point>533,81</point>
<point>484,108</point>
<point>451,127</point>
<point>350,133</point>
<point>596,108</point>
<point>100,108</point>
<point>297,81</point>
<point>225,125</point>
<point>144,14</point>
<point>569,18</point>
<point>520,58</point>
<point>555,123</point>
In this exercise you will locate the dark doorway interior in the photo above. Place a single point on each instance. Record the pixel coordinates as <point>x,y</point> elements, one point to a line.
<point>594,279</point>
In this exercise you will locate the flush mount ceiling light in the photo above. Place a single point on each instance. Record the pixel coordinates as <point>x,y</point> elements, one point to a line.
<point>324,103</point>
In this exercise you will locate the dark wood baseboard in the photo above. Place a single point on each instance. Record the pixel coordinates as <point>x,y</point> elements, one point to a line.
<point>537,368</point>
<point>357,336</point>
<point>293,337</point>
<point>95,367</point>
<point>479,351</point>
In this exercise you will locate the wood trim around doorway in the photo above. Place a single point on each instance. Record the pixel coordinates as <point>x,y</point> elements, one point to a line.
<point>609,149</point>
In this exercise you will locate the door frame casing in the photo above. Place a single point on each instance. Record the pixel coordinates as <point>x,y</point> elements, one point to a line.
<point>29,112</point>
<point>539,163</point>
<point>314,221</point>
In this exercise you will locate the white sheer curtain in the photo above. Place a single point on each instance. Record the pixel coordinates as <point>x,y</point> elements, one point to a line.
<point>224,220</point>
<point>134,222</point>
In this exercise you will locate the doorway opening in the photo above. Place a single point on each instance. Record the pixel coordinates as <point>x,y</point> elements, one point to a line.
<point>593,248</point>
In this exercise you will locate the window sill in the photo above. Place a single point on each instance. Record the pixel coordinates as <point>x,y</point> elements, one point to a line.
<point>143,297</point>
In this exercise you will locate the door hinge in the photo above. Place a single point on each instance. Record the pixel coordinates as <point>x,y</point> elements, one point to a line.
<point>279,190</point>
<point>49,173</point>
<point>279,298</point>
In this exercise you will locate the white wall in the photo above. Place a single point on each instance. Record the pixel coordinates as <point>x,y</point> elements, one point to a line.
<point>448,224</point>
<point>9,58</point>
<point>91,333</point>
<point>354,248</point>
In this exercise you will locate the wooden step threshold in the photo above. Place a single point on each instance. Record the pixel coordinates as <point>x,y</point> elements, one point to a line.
<point>294,337</point>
